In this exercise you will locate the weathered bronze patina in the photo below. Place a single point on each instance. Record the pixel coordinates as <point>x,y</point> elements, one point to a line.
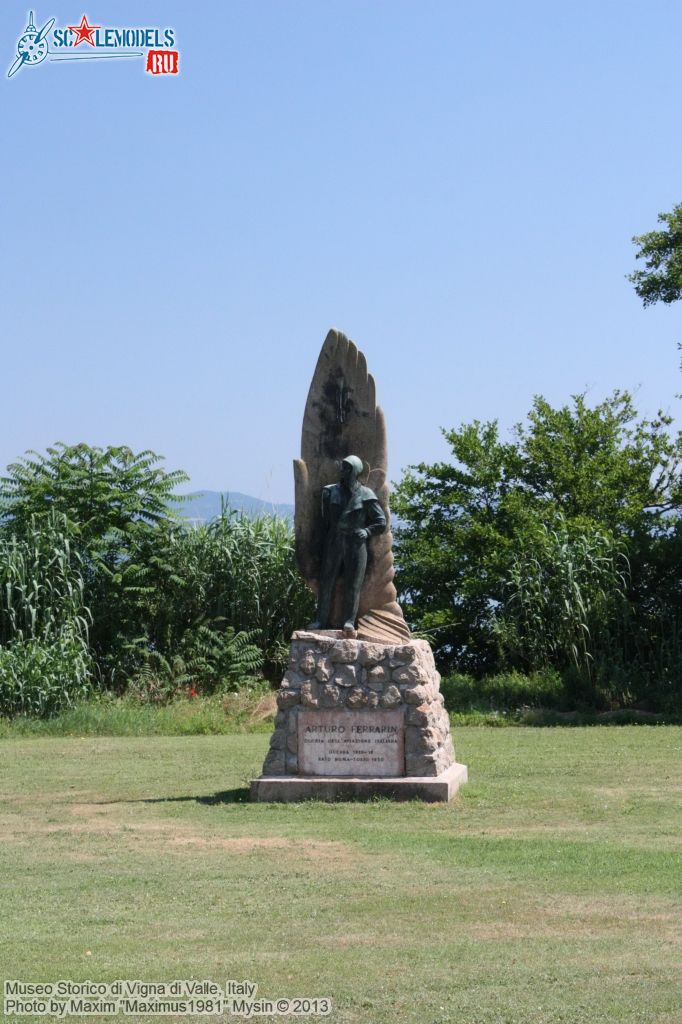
<point>351,514</point>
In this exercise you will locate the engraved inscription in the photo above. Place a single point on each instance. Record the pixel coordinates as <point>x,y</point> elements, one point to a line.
<point>351,743</point>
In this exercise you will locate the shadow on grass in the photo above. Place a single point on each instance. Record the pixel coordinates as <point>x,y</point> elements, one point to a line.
<point>238,795</point>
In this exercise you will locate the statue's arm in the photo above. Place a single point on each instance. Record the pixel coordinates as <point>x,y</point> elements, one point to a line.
<point>376,520</point>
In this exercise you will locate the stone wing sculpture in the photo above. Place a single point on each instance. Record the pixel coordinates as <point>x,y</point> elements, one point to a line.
<point>342,418</point>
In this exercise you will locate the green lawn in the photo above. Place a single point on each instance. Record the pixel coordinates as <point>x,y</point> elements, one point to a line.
<point>550,890</point>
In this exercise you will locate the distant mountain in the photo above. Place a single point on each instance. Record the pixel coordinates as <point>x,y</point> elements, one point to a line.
<point>203,506</point>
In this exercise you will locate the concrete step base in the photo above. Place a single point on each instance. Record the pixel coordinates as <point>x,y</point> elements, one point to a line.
<point>290,788</point>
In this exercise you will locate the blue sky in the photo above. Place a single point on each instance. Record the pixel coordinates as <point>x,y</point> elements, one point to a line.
<point>453,185</point>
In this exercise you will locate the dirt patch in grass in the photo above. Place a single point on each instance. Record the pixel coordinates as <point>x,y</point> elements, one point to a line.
<point>523,829</point>
<point>312,849</point>
<point>565,917</point>
<point>116,824</point>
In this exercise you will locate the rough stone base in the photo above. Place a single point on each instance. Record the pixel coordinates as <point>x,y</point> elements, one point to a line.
<point>329,671</point>
<point>291,788</point>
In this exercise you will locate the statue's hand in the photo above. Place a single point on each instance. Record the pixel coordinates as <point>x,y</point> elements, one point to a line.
<point>362,534</point>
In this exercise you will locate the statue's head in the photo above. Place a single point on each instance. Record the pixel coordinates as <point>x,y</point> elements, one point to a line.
<point>351,468</point>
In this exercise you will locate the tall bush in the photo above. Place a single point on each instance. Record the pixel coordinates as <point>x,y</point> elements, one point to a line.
<point>565,601</point>
<point>45,660</point>
<point>234,572</point>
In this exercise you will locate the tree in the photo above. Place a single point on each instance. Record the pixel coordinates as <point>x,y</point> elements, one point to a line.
<point>662,253</point>
<point>111,494</point>
<point>484,539</point>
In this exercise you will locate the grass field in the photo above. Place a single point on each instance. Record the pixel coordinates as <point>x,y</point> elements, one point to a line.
<point>550,890</point>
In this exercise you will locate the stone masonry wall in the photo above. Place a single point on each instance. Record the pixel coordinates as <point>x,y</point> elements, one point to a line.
<point>327,670</point>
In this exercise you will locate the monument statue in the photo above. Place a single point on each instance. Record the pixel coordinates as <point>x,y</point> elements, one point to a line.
<point>360,712</point>
<point>342,418</point>
<point>351,514</point>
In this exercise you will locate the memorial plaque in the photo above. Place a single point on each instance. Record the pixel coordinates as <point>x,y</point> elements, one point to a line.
<point>351,743</point>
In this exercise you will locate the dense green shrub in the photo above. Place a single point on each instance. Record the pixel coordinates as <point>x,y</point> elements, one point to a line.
<point>211,659</point>
<point>505,691</point>
<point>233,573</point>
<point>40,676</point>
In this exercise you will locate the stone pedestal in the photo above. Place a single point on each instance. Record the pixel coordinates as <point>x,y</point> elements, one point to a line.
<point>359,719</point>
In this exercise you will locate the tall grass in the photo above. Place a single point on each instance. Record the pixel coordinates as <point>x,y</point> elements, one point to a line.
<point>233,573</point>
<point>566,599</point>
<point>45,662</point>
<point>41,583</point>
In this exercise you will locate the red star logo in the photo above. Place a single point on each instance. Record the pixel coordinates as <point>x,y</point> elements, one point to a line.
<point>84,31</point>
